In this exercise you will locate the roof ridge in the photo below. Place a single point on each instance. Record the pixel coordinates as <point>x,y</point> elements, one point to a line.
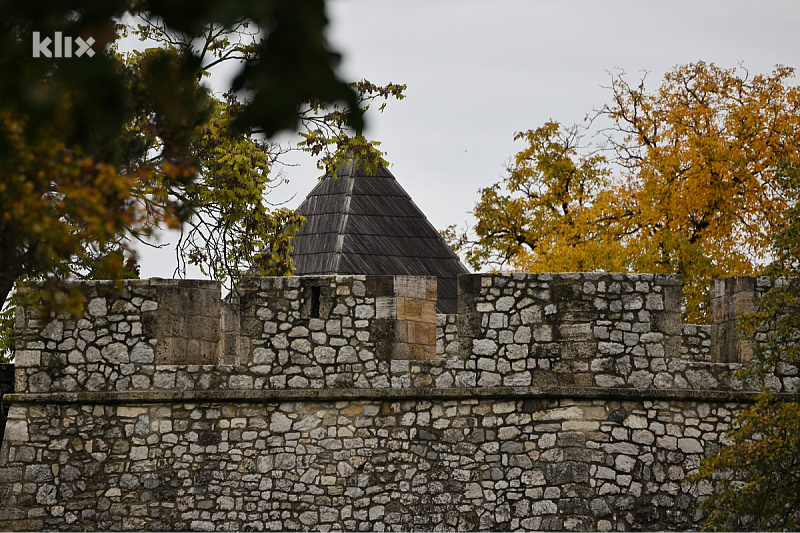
<point>345,214</point>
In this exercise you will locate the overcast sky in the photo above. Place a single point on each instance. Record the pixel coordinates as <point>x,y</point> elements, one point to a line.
<point>478,71</point>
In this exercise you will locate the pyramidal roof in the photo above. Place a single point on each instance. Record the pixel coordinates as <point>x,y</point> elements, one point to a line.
<point>367,224</point>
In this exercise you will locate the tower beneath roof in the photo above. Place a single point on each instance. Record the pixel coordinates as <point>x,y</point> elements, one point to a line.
<point>368,224</point>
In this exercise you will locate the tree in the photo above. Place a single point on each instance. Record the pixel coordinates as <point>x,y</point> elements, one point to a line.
<point>99,150</point>
<point>233,227</point>
<point>76,174</point>
<point>548,213</point>
<point>688,184</point>
<point>757,477</point>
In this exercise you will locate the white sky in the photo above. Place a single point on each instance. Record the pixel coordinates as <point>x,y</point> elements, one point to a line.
<point>479,71</point>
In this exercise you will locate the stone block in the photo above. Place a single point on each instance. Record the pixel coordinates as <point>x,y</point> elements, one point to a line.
<point>170,351</point>
<point>575,332</point>
<point>421,333</point>
<point>210,353</point>
<point>27,358</point>
<point>172,325</point>
<point>202,328</point>
<point>543,333</point>
<point>411,286</point>
<point>142,353</point>
<point>16,430</point>
<point>566,472</point>
<point>54,330</point>
<point>431,288</point>
<point>386,307</point>
<point>486,347</point>
<point>379,286</point>
<point>116,353</point>
<point>231,349</point>
<point>230,317</point>
<point>654,302</point>
<point>575,311</point>
<point>578,350</point>
<point>469,286</point>
<point>421,352</point>
<point>666,322</point>
<point>672,299</point>
<point>632,302</point>
<point>409,309</point>
<point>580,425</point>
<point>97,307</point>
<point>429,311</point>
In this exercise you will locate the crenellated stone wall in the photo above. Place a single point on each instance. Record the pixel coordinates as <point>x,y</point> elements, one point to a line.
<point>550,401</point>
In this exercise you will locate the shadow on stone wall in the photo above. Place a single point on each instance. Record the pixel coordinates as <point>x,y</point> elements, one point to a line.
<point>6,386</point>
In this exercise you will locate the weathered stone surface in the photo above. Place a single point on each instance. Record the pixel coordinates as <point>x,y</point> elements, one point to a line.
<point>115,353</point>
<point>339,417</point>
<point>97,307</point>
<point>16,430</point>
<point>142,353</point>
<point>484,347</point>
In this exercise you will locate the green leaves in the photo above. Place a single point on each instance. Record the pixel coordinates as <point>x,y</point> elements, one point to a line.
<point>757,477</point>
<point>326,134</point>
<point>7,332</point>
<point>234,230</point>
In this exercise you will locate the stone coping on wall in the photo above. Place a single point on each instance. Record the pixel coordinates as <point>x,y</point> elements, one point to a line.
<point>414,393</point>
<point>582,330</point>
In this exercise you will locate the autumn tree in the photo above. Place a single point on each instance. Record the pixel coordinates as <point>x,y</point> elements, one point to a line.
<point>233,227</point>
<point>686,183</point>
<point>98,151</point>
<point>757,476</point>
<point>548,213</point>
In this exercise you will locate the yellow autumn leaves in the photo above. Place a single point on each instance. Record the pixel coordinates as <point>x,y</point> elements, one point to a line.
<point>59,202</point>
<point>682,181</point>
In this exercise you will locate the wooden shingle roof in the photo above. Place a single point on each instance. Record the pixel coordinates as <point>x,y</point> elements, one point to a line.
<point>367,224</point>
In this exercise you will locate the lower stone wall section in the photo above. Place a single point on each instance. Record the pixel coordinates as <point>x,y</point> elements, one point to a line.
<point>470,463</point>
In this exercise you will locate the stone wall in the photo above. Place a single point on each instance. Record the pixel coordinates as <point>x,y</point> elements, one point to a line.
<point>731,298</point>
<point>696,342</point>
<point>468,464</point>
<point>550,401</point>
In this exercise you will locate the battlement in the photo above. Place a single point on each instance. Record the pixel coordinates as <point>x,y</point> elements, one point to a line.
<point>573,329</point>
<point>548,402</point>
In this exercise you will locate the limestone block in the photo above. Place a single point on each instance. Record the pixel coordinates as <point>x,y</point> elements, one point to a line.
<point>575,332</point>
<point>27,358</point>
<point>97,307</point>
<point>54,330</point>
<point>16,430</point>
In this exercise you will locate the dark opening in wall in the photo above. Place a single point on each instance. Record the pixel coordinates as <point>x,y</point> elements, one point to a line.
<point>315,292</point>
<point>318,298</point>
